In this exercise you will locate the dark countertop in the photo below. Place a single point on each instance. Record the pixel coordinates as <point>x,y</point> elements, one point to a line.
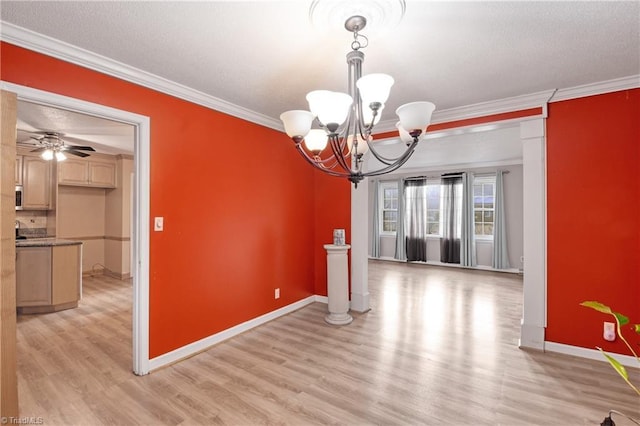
<point>45,242</point>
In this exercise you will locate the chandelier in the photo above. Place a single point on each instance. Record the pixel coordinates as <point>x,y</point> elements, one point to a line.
<point>346,121</point>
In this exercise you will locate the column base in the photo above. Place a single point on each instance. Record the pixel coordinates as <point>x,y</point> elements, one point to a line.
<point>338,319</point>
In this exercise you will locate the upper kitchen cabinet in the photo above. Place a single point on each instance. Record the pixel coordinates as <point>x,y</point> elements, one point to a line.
<point>98,172</point>
<point>36,183</point>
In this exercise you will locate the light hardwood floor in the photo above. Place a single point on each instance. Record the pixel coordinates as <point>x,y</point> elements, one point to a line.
<point>438,347</point>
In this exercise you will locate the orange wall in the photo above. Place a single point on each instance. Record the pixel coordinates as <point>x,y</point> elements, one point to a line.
<point>593,215</point>
<point>333,211</point>
<point>235,228</point>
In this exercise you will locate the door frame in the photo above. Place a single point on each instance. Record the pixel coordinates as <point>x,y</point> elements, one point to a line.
<point>141,208</point>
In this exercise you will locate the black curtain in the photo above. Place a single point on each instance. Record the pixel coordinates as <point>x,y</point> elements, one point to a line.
<point>416,219</point>
<point>451,219</point>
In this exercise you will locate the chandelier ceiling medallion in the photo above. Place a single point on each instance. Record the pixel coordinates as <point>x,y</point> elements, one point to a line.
<point>345,121</point>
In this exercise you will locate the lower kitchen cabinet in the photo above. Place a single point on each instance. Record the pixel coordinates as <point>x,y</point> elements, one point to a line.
<point>48,277</point>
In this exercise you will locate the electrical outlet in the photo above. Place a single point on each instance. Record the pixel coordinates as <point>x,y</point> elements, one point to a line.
<point>158,224</point>
<point>609,332</point>
<point>276,294</point>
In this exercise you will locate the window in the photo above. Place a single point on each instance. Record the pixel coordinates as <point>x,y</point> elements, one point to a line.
<point>434,194</point>
<point>483,206</point>
<point>389,213</point>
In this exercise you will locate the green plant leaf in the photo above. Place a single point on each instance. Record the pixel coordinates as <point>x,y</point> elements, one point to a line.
<point>616,365</point>
<point>597,306</point>
<point>622,319</point>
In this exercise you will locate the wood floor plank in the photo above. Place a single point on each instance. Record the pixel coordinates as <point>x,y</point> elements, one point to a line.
<point>439,347</point>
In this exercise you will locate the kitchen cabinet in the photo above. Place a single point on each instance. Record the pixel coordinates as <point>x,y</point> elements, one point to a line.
<point>33,272</point>
<point>48,276</point>
<point>36,183</point>
<point>97,173</point>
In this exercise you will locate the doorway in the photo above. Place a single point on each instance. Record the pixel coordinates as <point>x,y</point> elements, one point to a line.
<point>140,207</point>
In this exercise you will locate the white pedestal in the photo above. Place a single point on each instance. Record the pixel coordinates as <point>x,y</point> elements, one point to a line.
<point>338,284</point>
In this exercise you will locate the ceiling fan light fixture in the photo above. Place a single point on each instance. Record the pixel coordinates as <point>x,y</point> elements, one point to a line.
<point>60,156</point>
<point>47,155</point>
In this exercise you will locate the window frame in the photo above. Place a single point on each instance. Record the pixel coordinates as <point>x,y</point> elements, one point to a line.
<point>438,183</point>
<point>484,180</point>
<point>381,188</point>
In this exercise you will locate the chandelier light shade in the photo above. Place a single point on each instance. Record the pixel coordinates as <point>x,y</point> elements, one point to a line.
<point>345,121</point>
<point>415,116</point>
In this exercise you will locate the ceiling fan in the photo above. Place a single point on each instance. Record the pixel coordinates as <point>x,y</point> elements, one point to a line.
<point>51,144</point>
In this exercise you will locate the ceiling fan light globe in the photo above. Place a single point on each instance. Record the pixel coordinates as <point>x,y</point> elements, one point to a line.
<point>374,88</point>
<point>330,107</point>
<point>47,155</point>
<point>415,115</point>
<point>296,122</point>
<point>60,156</point>
<point>316,140</point>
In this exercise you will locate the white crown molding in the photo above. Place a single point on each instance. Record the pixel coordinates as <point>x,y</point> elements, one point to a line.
<point>67,52</point>
<point>624,83</point>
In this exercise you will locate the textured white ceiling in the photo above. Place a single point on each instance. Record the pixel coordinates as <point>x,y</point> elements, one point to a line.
<point>265,55</point>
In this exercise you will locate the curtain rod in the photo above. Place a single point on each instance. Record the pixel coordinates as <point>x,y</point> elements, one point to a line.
<point>452,175</point>
<point>440,176</point>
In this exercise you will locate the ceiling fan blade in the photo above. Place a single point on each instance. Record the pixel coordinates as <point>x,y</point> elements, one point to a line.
<point>74,152</point>
<point>81,148</point>
<point>38,149</point>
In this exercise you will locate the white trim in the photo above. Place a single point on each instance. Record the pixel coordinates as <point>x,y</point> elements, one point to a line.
<point>624,83</point>
<point>205,343</point>
<point>321,299</point>
<point>448,265</point>
<point>626,360</point>
<point>140,249</point>
<point>67,52</point>
<point>423,170</point>
<point>534,306</point>
<point>360,298</point>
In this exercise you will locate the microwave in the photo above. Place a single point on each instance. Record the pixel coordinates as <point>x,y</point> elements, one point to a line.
<point>19,197</point>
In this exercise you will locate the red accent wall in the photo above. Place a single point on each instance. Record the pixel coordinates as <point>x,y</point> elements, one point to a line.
<point>333,211</point>
<point>593,215</point>
<point>243,213</point>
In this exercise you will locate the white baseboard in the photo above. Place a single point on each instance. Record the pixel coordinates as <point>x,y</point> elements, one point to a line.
<point>626,360</point>
<point>203,344</point>
<point>449,265</point>
<point>321,299</point>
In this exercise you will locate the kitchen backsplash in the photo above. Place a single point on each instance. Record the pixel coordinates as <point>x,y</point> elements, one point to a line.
<point>32,223</point>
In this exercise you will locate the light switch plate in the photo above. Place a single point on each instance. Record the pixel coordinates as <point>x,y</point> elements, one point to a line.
<point>158,224</point>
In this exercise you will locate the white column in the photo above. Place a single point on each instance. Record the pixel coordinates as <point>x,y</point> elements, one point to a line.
<point>534,309</point>
<point>359,252</point>
<point>338,284</point>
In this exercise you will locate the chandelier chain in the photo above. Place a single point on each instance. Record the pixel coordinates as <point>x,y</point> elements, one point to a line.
<point>359,41</point>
